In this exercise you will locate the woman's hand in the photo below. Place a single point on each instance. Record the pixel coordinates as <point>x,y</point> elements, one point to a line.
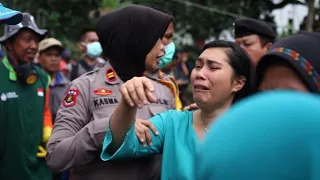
<point>137,92</point>
<point>142,131</point>
<point>191,107</point>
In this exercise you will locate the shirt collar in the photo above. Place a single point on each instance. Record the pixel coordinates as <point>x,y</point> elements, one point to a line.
<point>12,73</point>
<point>60,80</point>
<point>154,75</point>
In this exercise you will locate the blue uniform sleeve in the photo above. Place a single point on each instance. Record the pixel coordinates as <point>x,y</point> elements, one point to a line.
<point>131,146</point>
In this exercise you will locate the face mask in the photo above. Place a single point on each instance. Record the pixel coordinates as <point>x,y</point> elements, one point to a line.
<point>94,50</point>
<point>167,58</point>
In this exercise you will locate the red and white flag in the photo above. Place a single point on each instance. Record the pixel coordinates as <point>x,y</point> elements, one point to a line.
<point>40,92</point>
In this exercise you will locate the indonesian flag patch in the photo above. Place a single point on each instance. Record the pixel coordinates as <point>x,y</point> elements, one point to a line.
<point>40,92</point>
<point>71,98</point>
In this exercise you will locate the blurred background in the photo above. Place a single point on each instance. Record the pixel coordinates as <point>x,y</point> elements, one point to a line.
<point>196,21</point>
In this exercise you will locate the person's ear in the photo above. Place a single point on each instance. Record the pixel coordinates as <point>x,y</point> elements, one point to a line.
<point>238,83</point>
<point>82,47</point>
<point>9,45</point>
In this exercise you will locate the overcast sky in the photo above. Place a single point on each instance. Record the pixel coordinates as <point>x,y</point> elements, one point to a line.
<point>281,17</point>
<point>296,12</point>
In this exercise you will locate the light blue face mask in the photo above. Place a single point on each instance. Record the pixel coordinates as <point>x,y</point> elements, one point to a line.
<point>167,58</point>
<point>94,50</point>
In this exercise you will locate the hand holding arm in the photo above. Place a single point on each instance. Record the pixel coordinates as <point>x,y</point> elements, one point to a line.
<point>135,93</point>
<point>142,131</point>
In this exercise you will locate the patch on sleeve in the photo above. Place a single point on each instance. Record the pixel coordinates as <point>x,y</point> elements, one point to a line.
<point>71,98</point>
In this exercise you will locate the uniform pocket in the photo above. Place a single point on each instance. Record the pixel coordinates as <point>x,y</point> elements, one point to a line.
<point>103,112</point>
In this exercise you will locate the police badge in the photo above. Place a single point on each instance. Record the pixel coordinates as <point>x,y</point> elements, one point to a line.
<point>71,97</point>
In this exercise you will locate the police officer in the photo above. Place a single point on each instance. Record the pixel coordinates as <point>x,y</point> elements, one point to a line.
<point>165,60</point>
<point>25,122</point>
<point>255,36</point>
<point>130,38</point>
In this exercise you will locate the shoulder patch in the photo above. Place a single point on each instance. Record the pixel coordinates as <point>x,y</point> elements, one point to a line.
<point>111,75</point>
<point>70,98</point>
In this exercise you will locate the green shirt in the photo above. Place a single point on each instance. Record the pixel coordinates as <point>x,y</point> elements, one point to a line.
<point>21,125</point>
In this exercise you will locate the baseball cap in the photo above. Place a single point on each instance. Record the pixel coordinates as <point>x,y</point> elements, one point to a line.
<point>9,16</point>
<point>49,42</point>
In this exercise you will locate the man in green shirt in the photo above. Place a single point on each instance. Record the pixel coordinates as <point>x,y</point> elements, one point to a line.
<point>25,119</point>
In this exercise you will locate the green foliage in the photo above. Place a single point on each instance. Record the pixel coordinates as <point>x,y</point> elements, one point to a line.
<point>66,18</point>
<point>113,4</point>
<point>63,18</point>
<point>72,47</point>
<point>215,15</point>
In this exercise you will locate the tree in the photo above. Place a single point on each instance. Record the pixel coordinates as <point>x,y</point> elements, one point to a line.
<point>310,17</point>
<point>114,4</point>
<point>310,22</point>
<point>210,17</point>
<point>63,18</point>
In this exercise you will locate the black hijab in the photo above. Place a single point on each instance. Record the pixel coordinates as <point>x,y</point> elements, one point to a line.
<point>128,34</point>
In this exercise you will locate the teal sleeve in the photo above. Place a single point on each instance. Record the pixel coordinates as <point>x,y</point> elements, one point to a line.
<point>131,146</point>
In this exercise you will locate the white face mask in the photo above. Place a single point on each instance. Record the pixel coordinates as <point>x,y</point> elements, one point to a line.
<point>167,58</point>
<point>94,49</point>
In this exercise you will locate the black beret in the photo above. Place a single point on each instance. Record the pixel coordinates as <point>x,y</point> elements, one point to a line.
<point>248,26</point>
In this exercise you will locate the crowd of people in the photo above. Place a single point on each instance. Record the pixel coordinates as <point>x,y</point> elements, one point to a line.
<point>119,112</point>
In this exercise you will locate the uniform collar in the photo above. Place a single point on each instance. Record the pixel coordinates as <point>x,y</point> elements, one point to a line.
<point>12,73</point>
<point>111,76</point>
<point>154,75</point>
<point>58,78</point>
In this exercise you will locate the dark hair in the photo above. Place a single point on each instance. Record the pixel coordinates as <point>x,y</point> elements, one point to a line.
<point>84,33</point>
<point>240,63</point>
<point>265,40</point>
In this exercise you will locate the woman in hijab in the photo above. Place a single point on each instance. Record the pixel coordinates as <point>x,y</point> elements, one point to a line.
<point>271,136</point>
<point>292,63</point>
<point>221,77</point>
<point>127,36</point>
